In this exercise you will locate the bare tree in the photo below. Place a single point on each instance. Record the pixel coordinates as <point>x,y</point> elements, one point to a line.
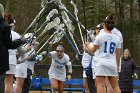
<point>139,8</point>
<point>7,6</point>
<point>130,26</point>
<point>96,11</point>
<point>121,15</point>
<point>131,11</point>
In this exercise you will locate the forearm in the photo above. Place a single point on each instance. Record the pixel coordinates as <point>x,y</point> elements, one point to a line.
<point>21,60</point>
<point>90,48</point>
<point>46,53</point>
<point>22,50</point>
<point>69,68</point>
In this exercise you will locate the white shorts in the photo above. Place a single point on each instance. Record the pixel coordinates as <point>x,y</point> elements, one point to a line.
<point>12,69</point>
<point>84,73</point>
<point>54,74</point>
<point>21,73</point>
<point>105,71</point>
<point>93,74</point>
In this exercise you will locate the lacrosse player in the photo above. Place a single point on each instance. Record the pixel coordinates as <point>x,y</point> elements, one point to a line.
<point>119,35</point>
<point>26,65</point>
<point>57,71</point>
<point>107,60</point>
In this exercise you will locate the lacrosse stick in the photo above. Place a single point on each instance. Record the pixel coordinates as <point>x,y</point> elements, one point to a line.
<point>35,20</point>
<point>70,27</point>
<point>76,12</point>
<point>49,26</point>
<point>62,6</point>
<point>33,49</point>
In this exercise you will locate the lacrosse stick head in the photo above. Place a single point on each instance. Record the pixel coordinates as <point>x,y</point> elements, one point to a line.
<point>53,24</point>
<point>73,1</point>
<point>67,21</point>
<point>29,35</point>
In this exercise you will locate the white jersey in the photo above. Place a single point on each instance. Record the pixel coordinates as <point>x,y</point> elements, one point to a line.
<point>116,32</point>
<point>31,63</point>
<point>86,57</point>
<point>106,56</point>
<point>107,43</point>
<point>86,60</point>
<point>12,52</point>
<point>57,69</point>
<point>21,69</point>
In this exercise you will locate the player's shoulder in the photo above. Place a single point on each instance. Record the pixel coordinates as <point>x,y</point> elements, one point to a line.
<point>14,32</point>
<point>101,31</point>
<point>116,38</point>
<point>116,31</point>
<point>53,52</point>
<point>101,34</point>
<point>66,56</point>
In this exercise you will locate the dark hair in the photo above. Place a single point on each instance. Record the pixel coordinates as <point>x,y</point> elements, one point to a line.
<point>99,27</point>
<point>8,16</point>
<point>109,21</point>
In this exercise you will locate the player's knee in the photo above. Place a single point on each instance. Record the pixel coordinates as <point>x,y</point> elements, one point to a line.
<point>55,87</point>
<point>60,90</point>
<point>85,86</point>
<point>19,85</point>
<point>115,86</point>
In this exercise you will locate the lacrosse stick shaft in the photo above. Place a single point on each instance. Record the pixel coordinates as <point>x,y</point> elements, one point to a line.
<point>75,44</point>
<point>38,45</point>
<point>84,14</point>
<point>49,26</point>
<point>70,43</point>
<point>76,12</point>
<point>34,49</point>
<point>75,38</point>
<point>69,26</point>
<point>35,20</point>
<point>63,7</point>
<point>46,42</point>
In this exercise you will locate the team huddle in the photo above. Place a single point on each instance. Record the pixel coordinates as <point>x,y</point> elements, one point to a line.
<point>100,59</point>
